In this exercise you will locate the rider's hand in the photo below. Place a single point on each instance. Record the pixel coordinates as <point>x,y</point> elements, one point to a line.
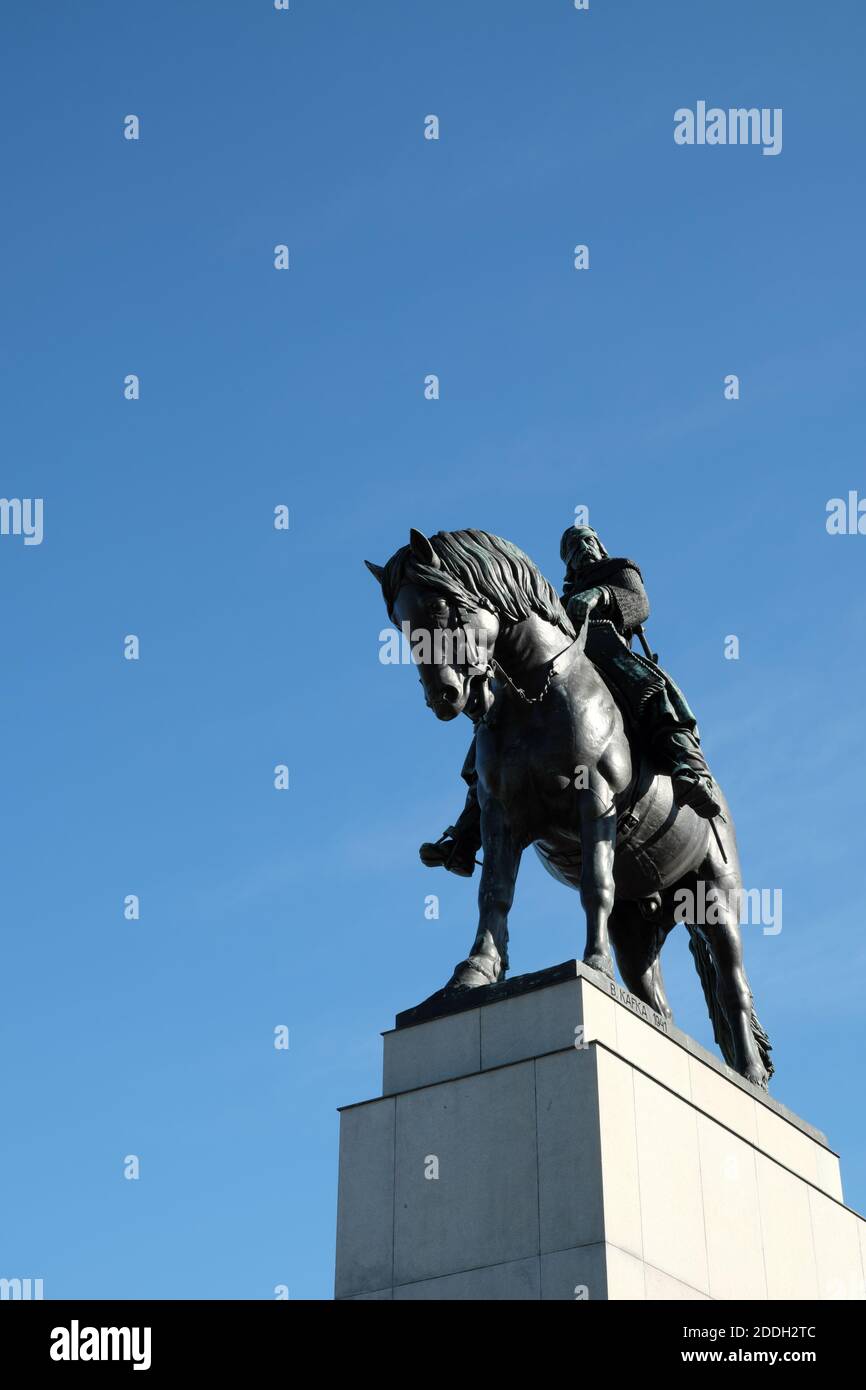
<point>581,605</point>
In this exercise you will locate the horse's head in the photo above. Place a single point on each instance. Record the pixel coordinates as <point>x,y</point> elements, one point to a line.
<point>451,631</point>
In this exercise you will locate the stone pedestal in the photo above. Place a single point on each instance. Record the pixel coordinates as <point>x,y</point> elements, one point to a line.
<point>552,1138</point>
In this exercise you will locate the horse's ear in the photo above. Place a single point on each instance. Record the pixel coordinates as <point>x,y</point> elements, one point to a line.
<point>422,549</point>
<point>377,571</point>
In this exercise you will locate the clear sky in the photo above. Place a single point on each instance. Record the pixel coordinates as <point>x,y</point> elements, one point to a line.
<point>259,387</point>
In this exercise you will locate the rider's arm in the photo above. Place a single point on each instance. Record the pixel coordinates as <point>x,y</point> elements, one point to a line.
<point>628,604</point>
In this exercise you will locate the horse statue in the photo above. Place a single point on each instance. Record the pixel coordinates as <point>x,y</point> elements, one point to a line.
<point>559,768</point>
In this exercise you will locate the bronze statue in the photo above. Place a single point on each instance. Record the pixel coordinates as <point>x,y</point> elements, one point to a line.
<point>610,593</point>
<point>604,776</point>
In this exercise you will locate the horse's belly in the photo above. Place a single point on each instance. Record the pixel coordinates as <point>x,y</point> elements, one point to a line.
<point>561,859</point>
<point>669,841</point>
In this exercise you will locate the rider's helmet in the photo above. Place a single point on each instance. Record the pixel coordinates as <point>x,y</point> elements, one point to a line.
<point>576,541</point>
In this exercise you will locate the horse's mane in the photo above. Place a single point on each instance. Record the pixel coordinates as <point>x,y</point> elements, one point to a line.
<point>480,570</point>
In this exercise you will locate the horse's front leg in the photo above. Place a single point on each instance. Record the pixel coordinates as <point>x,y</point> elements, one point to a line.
<point>597,842</point>
<point>488,959</point>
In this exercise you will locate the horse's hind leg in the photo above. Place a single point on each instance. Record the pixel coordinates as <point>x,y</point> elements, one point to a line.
<point>735,995</point>
<point>637,943</point>
<point>720,929</point>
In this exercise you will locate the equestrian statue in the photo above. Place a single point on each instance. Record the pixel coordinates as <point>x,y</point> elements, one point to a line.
<point>584,749</point>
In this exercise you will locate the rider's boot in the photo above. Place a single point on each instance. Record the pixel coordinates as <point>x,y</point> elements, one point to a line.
<point>690,776</point>
<point>457,846</point>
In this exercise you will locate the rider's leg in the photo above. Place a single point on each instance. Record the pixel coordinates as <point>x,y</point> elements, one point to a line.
<point>677,749</point>
<point>691,778</point>
<point>457,847</point>
<point>666,728</point>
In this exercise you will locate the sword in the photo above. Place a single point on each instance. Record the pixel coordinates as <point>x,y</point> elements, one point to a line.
<point>715,831</point>
<point>653,656</point>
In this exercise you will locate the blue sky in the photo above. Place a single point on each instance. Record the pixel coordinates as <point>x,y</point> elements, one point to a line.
<point>605,387</point>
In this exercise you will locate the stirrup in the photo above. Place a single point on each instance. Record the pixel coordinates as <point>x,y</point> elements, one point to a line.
<point>695,791</point>
<point>445,853</point>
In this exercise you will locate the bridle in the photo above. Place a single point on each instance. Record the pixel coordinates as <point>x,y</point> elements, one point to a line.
<point>496,668</point>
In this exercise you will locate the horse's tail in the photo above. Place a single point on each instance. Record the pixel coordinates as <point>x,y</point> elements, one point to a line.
<point>721,1031</point>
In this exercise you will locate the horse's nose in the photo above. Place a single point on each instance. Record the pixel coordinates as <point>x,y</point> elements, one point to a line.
<point>450,695</point>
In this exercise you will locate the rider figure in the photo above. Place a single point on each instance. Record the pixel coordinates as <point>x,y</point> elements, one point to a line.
<point>610,593</point>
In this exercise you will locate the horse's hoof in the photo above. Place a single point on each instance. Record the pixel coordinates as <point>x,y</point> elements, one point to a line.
<point>473,973</point>
<point>598,960</point>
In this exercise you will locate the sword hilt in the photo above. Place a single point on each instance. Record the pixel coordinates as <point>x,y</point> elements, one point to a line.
<point>653,656</point>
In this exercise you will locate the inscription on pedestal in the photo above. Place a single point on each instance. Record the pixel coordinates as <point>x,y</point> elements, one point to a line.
<point>637,1006</point>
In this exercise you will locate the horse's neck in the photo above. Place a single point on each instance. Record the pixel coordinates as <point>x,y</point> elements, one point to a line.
<point>529,645</point>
